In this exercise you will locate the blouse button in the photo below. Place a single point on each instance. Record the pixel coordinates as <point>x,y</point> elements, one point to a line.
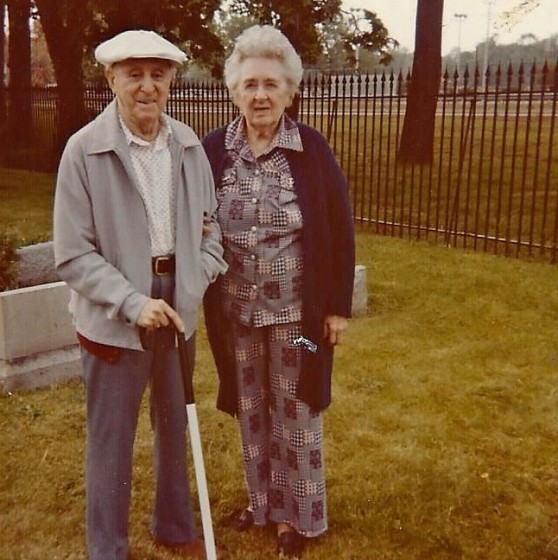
<point>254,200</point>
<point>253,257</point>
<point>253,228</point>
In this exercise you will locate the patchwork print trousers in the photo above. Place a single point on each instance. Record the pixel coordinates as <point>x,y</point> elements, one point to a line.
<point>282,439</point>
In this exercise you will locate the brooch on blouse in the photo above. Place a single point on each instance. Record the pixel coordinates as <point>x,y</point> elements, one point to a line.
<point>305,343</point>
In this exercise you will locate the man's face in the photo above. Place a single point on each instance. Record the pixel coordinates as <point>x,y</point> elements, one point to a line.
<point>141,86</point>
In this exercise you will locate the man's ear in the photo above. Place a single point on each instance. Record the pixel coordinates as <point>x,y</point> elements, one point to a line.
<point>109,75</point>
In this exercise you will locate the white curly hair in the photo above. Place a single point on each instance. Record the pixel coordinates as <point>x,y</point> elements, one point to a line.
<point>263,41</point>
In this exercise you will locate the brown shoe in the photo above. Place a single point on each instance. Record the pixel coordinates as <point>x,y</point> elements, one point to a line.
<point>193,550</point>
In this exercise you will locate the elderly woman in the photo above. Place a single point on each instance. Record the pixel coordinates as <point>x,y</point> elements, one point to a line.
<point>274,318</point>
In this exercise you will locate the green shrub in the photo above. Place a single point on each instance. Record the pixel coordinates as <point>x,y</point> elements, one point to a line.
<point>8,262</point>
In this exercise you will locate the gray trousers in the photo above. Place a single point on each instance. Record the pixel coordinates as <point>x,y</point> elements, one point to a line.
<point>113,395</point>
<point>282,439</point>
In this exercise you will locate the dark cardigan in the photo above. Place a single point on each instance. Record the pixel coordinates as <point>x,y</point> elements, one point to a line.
<point>329,261</point>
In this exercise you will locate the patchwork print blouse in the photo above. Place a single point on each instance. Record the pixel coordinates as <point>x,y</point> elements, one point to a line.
<point>262,228</point>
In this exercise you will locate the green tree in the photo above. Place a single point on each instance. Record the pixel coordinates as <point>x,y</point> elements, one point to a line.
<point>187,23</point>
<point>73,27</point>
<point>229,25</point>
<point>368,33</point>
<point>335,55</point>
<point>297,20</point>
<point>355,39</point>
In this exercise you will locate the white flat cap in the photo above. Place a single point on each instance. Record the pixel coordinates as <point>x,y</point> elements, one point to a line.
<point>137,44</point>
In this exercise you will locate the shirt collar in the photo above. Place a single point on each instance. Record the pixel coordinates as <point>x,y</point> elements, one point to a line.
<point>286,137</point>
<point>162,139</point>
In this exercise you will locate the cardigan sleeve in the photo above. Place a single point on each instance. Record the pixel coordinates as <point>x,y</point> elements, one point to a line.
<point>218,334</point>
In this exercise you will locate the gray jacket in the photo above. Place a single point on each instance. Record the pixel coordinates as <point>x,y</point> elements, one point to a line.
<point>101,237</point>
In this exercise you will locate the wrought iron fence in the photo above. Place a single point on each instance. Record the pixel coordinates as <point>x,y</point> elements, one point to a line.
<point>493,182</point>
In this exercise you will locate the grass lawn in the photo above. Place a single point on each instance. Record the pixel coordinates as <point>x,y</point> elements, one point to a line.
<point>26,200</point>
<point>441,442</point>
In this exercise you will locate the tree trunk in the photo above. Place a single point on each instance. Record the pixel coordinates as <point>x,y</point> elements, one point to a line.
<point>64,28</point>
<point>417,137</point>
<point>19,62</point>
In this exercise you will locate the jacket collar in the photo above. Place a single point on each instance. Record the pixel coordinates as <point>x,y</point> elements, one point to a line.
<point>109,136</point>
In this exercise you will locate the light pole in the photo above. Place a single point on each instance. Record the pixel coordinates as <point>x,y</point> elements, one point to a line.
<point>460,18</point>
<point>485,63</point>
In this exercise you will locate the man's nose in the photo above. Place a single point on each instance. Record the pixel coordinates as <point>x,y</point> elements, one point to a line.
<point>147,84</point>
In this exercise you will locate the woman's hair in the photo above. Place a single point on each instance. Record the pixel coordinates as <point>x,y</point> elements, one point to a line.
<point>263,41</point>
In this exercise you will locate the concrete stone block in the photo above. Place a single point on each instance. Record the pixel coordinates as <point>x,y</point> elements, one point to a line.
<point>41,370</point>
<point>360,292</point>
<point>34,320</point>
<point>38,345</point>
<point>36,264</point>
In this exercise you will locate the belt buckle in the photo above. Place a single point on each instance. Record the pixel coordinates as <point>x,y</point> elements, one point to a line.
<point>160,260</point>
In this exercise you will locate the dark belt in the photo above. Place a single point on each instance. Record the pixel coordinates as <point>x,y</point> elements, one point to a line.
<point>162,266</point>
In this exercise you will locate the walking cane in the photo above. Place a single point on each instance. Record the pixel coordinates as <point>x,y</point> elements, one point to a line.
<point>193,427</point>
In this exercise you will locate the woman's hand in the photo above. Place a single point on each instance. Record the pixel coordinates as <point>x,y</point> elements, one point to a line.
<point>334,325</point>
<point>206,226</point>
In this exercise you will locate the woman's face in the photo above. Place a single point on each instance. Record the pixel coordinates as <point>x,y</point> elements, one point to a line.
<point>262,93</point>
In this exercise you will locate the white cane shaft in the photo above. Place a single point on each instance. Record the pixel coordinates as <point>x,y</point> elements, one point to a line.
<point>201,482</point>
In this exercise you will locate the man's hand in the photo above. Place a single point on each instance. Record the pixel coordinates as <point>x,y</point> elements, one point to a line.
<point>334,325</point>
<point>158,313</point>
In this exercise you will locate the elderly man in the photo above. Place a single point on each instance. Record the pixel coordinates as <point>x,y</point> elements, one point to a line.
<point>132,243</point>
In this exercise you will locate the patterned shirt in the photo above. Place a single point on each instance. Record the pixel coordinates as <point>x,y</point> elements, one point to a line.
<point>262,227</point>
<point>153,168</point>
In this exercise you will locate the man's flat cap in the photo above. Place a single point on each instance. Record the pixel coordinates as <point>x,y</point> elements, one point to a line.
<point>137,44</point>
